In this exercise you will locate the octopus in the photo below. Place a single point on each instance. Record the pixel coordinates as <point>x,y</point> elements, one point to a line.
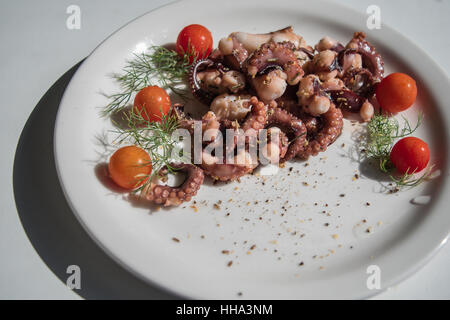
<point>271,83</point>
<point>327,43</point>
<point>243,163</point>
<point>238,46</point>
<point>293,128</point>
<point>208,79</point>
<point>275,55</point>
<point>322,131</point>
<point>174,196</point>
<point>311,97</point>
<point>371,58</point>
<point>231,106</point>
<point>270,86</point>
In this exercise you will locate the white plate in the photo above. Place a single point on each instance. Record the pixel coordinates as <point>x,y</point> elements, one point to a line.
<point>290,228</point>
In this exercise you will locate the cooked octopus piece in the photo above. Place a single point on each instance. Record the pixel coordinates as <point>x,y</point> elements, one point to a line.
<point>174,196</point>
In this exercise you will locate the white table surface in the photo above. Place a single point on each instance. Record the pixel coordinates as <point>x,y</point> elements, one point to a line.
<point>40,237</point>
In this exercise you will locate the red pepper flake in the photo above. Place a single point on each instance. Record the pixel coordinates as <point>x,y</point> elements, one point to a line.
<point>230,263</point>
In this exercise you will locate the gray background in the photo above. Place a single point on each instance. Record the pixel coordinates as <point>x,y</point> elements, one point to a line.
<point>39,237</point>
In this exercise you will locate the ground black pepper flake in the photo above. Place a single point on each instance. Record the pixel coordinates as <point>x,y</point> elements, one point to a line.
<point>176,239</point>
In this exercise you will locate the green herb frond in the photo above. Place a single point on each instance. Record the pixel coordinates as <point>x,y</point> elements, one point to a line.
<point>153,136</point>
<point>383,132</point>
<point>411,179</point>
<point>159,66</point>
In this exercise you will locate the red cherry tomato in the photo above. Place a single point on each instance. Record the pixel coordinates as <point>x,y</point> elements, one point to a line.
<point>152,103</point>
<point>396,92</point>
<point>196,41</point>
<point>129,167</point>
<point>410,155</point>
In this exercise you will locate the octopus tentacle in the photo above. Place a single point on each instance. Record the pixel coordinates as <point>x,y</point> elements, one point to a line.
<point>208,79</point>
<point>346,100</point>
<point>233,51</point>
<point>220,170</point>
<point>195,86</point>
<point>371,58</point>
<point>275,55</point>
<point>292,126</point>
<point>276,146</point>
<point>330,130</point>
<point>251,42</point>
<point>258,116</point>
<point>360,81</point>
<point>168,196</point>
<point>327,43</point>
<point>231,106</point>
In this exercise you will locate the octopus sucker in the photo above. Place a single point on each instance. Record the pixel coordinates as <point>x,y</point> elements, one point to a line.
<point>330,128</point>
<point>174,196</point>
<point>258,116</point>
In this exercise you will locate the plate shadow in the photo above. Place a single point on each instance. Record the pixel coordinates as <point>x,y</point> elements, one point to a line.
<point>48,221</point>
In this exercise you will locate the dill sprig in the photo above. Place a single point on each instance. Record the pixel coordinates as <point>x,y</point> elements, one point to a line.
<point>153,136</point>
<point>159,66</point>
<point>383,132</point>
<point>410,179</point>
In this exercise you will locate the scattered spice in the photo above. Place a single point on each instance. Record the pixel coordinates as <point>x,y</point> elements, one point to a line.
<point>176,239</point>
